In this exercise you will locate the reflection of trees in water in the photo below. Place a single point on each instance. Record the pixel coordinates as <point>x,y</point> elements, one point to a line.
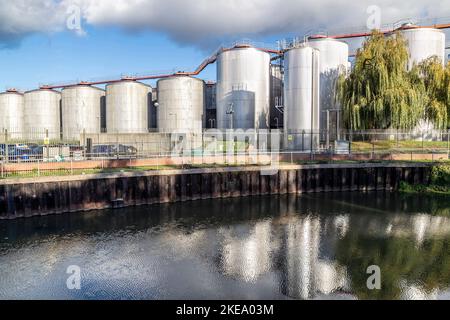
<point>400,260</point>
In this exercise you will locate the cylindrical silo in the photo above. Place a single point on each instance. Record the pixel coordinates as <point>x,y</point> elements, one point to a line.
<point>243,88</point>
<point>276,96</point>
<point>334,56</point>
<point>301,98</point>
<point>181,103</point>
<point>127,104</point>
<point>42,114</point>
<point>11,113</point>
<point>210,118</point>
<point>424,43</point>
<point>81,111</point>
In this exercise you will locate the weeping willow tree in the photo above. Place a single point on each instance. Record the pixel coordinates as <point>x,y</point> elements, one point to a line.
<point>435,79</point>
<point>380,93</point>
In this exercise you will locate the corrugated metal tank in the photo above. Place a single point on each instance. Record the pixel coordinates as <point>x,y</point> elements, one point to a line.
<point>334,57</point>
<point>127,104</point>
<point>42,112</point>
<point>424,43</point>
<point>276,97</point>
<point>181,103</point>
<point>301,98</point>
<point>210,114</point>
<point>81,110</point>
<point>12,113</point>
<point>243,87</point>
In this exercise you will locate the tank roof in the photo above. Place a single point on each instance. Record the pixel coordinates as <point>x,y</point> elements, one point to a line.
<point>81,85</point>
<point>43,90</point>
<point>12,91</point>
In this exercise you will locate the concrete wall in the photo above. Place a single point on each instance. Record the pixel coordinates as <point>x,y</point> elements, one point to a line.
<point>53,195</point>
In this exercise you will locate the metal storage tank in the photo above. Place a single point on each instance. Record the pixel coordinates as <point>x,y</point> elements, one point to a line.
<point>127,104</point>
<point>276,96</point>
<point>334,56</point>
<point>11,113</point>
<point>210,114</point>
<point>424,43</point>
<point>81,111</point>
<point>301,98</point>
<point>243,88</point>
<point>42,112</point>
<point>181,103</point>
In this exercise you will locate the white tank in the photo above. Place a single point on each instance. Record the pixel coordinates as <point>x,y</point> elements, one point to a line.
<point>81,111</point>
<point>334,56</point>
<point>11,113</point>
<point>243,89</point>
<point>301,98</point>
<point>181,103</point>
<point>127,104</point>
<point>42,112</point>
<point>424,43</point>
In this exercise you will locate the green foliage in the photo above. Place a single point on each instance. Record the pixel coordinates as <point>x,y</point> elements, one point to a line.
<point>439,184</point>
<point>381,93</point>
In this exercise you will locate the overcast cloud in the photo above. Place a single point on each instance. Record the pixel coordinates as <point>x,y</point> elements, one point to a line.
<point>204,23</point>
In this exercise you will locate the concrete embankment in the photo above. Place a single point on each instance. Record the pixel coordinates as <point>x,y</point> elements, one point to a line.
<point>53,195</point>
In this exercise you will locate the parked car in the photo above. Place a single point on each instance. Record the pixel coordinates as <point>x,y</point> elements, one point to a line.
<point>20,152</point>
<point>113,150</point>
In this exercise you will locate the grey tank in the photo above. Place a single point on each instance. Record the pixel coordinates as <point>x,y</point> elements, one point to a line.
<point>181,103</point>
<point>42,113</point>
<point>127,104</point>
<point>301,98</point>
<point>12,113</point>
<point>243,89</point>
<point>81,111</point>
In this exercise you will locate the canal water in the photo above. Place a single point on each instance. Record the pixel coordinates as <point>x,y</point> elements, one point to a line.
<point>280,247</point>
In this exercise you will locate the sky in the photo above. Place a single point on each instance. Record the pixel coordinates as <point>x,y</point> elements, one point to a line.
<point>58,41</point>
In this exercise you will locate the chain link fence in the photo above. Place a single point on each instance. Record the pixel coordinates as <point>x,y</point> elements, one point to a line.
<point>41,153</point>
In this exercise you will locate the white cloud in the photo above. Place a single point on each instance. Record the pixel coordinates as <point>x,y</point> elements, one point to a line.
<point>206,22</point>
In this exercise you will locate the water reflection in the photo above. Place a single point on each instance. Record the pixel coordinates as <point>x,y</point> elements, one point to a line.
<point>308,247</point>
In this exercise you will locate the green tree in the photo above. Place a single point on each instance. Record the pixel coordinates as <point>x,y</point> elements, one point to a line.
<point>380,93</point>
<point>435,79</point>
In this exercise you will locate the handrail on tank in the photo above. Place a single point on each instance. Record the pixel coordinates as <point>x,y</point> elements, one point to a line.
<point>213,58</point>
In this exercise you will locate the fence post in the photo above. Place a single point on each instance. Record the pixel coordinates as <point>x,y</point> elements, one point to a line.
<point>39,169</point>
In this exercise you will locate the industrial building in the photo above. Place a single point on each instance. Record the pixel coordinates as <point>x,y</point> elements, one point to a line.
<point>210,118</point>
<point>256,88</point>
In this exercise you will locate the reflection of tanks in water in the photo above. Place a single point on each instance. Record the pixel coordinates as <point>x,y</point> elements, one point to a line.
<point>304,274</point>
<point>247,255</point>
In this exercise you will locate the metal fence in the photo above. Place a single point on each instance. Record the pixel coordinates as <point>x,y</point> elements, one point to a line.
<point>34,154</point>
